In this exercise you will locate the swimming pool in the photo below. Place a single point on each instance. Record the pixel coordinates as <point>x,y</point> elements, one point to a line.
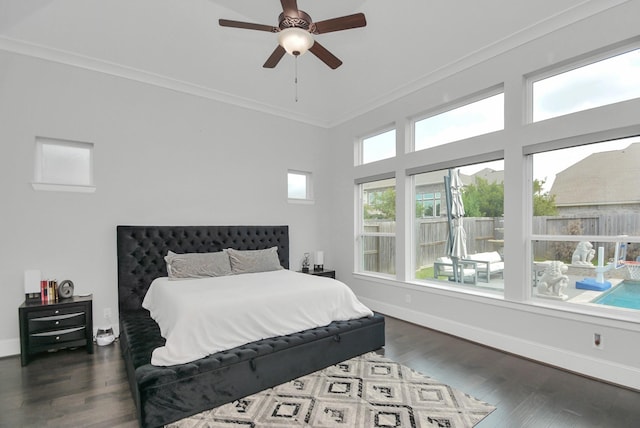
<point>624,295</point>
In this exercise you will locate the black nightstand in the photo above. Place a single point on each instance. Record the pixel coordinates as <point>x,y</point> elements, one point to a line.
<point>323,272</point>
<point>66,323</point>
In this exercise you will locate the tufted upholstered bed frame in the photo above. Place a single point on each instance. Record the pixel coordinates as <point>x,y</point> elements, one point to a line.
<point>166,394</point>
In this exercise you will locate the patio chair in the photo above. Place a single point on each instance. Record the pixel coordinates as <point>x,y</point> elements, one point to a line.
<point>467,269</point>
<point>488,264</point>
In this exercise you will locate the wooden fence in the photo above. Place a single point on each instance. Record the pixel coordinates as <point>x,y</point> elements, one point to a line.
<point>483,234</point>
<point>604,224</point>
<point>486,234</point>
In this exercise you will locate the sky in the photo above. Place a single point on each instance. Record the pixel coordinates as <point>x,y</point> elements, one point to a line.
<point>600,83</point>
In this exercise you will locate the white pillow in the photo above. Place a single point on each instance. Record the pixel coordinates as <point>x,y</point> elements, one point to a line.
<point>251,261</point>
<point>197,265</point>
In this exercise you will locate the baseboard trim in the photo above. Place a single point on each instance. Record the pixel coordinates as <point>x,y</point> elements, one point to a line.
<point>9,347</point>
<point>600,369</point>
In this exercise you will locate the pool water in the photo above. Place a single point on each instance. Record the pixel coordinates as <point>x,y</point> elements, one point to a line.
<point>624,295</point>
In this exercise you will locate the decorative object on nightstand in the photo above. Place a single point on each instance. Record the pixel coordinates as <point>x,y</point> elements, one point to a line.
<point>55,325</point>
<point>319,261</point>
<point>305,263</point>
<point>32,290</point>
<point>65,289</point>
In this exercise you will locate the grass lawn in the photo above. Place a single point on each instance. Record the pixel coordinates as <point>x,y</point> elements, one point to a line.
<point>424,273</point>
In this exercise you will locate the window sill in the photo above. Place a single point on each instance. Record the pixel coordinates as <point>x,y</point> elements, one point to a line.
<point>50,187</point>
<point>301,201</point>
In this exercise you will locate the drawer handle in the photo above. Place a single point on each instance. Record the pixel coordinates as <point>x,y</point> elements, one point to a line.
<point>57,322</point>
<point>57,337</point>
<point>57,312</point>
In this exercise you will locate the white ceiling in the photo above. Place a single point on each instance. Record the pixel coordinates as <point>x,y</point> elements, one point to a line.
<point>178,44</point>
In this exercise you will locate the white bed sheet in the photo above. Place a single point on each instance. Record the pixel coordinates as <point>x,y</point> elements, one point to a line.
<point>199,317</point>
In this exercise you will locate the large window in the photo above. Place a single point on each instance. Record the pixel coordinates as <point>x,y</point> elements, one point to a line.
<point>462,241</point>
<point>377,243</point>
<point>476,118</point>
<point>378,147</point>
<point>597,84</point>
<point>586,222</point>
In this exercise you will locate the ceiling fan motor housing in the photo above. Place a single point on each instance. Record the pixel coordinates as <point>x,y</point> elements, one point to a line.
<point>303,21</point>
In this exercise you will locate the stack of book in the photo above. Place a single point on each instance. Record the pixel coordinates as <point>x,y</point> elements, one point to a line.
<point>49,290</point>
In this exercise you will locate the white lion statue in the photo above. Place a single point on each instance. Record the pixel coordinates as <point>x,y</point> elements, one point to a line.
<point>554,280</point>
<point>583,254</point>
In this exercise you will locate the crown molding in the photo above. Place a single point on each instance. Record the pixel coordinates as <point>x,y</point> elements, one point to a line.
<point>72,59</point>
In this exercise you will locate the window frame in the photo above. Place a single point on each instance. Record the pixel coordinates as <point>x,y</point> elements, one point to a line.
<point>360,222</point>
<point>568,65</point>
<point>39,184</point>
<point>359,149</point>
<point>308,198</point>
<point>451,106</point>
<point>531,238</point>
<point>442,167</point>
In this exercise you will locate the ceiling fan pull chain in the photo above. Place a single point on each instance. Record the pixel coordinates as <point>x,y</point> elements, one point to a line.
<point>295,80</point>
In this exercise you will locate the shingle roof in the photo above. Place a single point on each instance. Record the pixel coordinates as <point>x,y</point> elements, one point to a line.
<point>602,178</point>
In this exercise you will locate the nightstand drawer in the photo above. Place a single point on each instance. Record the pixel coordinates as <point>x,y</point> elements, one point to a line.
<point>56,322</point>
<point>57,336</point>
<point>55,311</point>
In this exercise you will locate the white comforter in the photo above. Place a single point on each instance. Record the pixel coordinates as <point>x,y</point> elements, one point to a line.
<point>199,317</point>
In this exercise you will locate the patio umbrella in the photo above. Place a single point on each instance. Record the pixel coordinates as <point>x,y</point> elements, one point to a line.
<point>458,238</point>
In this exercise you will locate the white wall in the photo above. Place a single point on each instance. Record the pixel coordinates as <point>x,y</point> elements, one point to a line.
<point>161,157</point>
<point>515,324</point>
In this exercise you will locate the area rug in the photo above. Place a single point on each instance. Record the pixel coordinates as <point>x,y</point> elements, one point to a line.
<point>366,391</point>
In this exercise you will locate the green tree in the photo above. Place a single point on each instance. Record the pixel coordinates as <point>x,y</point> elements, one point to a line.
<point>483,199</point>
<point>544,203</point>
<point>383,206</point>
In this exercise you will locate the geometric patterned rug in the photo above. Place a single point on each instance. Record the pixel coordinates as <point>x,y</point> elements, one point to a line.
<point>366,391</point>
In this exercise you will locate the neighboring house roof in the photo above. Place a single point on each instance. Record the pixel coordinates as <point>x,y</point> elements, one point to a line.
<point>600,179</point>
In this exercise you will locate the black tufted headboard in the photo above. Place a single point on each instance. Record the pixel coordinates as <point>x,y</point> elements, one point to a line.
<point>141,251</point>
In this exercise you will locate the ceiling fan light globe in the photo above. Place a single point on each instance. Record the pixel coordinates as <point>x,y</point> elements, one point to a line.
<point>295,41</point>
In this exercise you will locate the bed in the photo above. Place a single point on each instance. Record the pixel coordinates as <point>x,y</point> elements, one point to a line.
<point>166,394</point>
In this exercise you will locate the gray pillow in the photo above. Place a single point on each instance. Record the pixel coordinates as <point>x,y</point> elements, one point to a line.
<point>251,261</point>
<point>197,265</point>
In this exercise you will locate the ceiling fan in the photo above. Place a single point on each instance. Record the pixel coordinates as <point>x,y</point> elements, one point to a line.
<point>295,33</point>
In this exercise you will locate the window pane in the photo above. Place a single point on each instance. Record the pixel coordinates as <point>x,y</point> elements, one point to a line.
<point>475,221</point>
<point>585,182</point>
<point>381,146</point>
<point>477,118</point>
<point>297,185</point>
<point>380,197</point>
<point>378,252</point>
<point>605,82</point>
<point>63,163</point>
<point>585,191</point>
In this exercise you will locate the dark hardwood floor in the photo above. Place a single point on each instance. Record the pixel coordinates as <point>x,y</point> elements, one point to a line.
<point>75,389</point>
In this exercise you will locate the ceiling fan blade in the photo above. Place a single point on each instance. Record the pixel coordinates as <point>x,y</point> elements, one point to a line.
<point>247,25</point>
<point>275,57</point>
<point>325,56</point>
<point>343,23</point>
<point>289,7</point>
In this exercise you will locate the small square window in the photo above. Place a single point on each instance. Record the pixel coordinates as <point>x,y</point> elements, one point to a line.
<point>63,165</point>
<point>299,185</point>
